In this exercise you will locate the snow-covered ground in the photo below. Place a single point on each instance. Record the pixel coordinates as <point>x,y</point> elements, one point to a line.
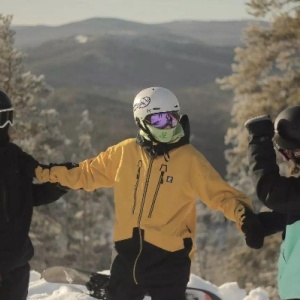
<point>40,289</point>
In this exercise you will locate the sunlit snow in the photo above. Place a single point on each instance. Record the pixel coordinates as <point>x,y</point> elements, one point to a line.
<point>81,39</point>
<point>40,289</point>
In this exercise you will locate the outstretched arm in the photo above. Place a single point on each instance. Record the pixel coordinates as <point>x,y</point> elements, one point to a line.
<point>235,205</point>
<point>275,191</point>
<point>46,193</point>
<point>89,174</point>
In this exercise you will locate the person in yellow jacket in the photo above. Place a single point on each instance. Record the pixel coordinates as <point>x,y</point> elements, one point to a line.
<point>157,178</point>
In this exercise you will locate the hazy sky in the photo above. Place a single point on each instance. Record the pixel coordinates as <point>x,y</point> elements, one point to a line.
<point>56,12</point>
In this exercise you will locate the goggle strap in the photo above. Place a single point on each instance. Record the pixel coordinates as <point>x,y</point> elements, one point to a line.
<point>6,117</point>
<point>7,109</point>
<point>6,123</point>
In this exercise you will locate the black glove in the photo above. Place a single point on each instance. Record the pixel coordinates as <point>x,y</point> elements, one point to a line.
<point>261,126</point>
<point>253,229</point>
<point>97,285</point>
<point>272,221</point>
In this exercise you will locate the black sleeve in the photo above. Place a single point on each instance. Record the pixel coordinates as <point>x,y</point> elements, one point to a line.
<point>27,163</point>
<point>276,192</point>
<point>272,221</point>
<point>46,193</point>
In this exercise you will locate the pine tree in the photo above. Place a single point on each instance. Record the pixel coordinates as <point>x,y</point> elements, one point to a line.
<point>37,127</point>
<point>88,220</point>
<point>37,130</point>
<point>265,76</point>
<point>265,79</point>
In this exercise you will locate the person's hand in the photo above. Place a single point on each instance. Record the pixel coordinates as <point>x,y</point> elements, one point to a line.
<point>253,229</point>
<point>97,285</point>
<point>272,221</point>
<point>261,126</point>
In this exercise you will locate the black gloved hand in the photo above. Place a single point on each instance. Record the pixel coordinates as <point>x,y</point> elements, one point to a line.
<point>97,285</point>
<point>272,221</point>
<point>261,126</point>
<point>253,229</point>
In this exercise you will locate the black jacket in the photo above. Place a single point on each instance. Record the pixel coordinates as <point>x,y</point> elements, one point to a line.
<point>279,193</point>
<point>18,196</point>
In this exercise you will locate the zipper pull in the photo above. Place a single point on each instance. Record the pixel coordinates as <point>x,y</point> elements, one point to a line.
<point>163,170</point>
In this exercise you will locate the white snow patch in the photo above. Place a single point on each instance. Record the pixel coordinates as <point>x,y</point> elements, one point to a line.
<point>40,289</point>
<point>81,39</point>
<point>231,291</point>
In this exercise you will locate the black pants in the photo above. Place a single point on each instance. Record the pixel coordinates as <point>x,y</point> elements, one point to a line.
<point>169,283</point>
<point>14,285</point>
<point>124,291</point>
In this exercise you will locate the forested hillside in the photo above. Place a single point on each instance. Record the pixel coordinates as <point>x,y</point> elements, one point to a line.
<point>103,70</point>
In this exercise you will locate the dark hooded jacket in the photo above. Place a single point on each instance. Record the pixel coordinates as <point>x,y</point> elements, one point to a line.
<point>18,196</point>
<point>282,194</point>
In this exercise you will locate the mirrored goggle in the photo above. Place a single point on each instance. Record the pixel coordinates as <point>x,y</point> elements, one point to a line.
<point>288,154</point>
<point>6,117</point>
<point>163,120</point>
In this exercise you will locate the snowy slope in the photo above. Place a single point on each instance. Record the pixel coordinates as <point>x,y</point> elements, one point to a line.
<point>39,289</point>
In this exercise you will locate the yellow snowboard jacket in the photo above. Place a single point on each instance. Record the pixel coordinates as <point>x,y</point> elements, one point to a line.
<point>156,194</point>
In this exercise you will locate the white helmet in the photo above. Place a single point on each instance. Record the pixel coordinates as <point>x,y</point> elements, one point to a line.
<point>154,100</point>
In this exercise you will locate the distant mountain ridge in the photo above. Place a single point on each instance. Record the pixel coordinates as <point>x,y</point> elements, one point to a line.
<point>108,52</point>
<point>217,33</point>
<point>129,61</point>
<point>100,64</point>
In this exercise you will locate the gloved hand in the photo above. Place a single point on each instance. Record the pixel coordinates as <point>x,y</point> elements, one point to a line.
<point>261,126</point>
<point>253,229</point>
<point>97,285</point>
<point>272,221</point>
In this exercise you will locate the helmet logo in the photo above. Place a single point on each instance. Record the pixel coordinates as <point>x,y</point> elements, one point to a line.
<point>144,102</point>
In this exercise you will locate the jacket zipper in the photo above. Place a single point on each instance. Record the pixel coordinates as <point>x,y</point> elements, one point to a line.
<point>136,184</point>
<point>163,169</point>
<point>140,218</point>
